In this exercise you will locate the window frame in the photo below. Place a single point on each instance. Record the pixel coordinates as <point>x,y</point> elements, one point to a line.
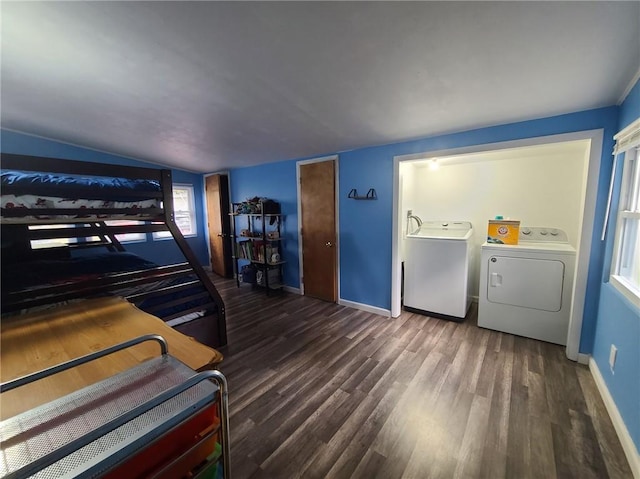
<point>51,242</point>
<point>133,237</point>
<point>627,213</point>
<point>63,242</point>
<point>191,199</point>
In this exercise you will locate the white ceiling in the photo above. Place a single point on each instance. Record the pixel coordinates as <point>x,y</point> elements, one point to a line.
<point>207,86</point>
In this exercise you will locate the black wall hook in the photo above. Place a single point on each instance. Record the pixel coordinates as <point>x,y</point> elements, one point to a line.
<point>371,195</point>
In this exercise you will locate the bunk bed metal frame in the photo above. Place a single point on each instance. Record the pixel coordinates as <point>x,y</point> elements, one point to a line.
<point>154,219</point>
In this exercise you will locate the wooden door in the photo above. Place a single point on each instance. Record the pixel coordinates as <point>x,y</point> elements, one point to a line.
<point>317,198</point>
<point>217,187</point>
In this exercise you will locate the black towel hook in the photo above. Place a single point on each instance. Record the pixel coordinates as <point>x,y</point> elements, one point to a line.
<point>371,195</point>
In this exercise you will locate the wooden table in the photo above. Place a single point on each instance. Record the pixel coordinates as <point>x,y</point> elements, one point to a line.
<point>35,341</point>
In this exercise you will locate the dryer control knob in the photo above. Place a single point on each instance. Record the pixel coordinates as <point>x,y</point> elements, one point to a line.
<point>554,232</point>
<point>526,231</point>
<point>543,232</point>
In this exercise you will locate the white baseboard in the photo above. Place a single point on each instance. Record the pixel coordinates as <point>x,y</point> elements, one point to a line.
<point>291,289</point>
<point>365,307</point>
<point>621,429</point>
<point>584,358</point>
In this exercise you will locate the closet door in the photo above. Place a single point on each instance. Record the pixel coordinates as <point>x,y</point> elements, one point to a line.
<point>317,200</point>
<point>217,187</point>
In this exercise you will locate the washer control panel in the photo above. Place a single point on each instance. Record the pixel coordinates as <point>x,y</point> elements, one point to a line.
<point>543,235</point>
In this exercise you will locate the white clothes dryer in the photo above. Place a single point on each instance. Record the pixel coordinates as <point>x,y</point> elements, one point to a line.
<point>526,289</point>
<point>437,269</point>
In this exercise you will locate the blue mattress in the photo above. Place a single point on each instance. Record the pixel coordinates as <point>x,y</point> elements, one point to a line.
<point>46,184</point>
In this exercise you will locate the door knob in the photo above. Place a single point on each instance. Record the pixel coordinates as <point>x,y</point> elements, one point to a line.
<point>329,244</point>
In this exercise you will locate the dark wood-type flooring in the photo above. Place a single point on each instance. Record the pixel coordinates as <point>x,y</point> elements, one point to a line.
<point>321,390</point>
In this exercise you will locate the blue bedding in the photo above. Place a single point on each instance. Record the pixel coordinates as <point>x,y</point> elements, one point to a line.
<point>98,188</point>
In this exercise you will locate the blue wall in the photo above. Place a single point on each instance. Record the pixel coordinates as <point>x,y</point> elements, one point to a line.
<point>618,321</point>
<point>630,108</point>
<point>161,251</point>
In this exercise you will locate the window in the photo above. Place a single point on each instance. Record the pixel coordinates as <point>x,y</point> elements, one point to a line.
<point>184,212</point>
<point>128,237</point>
<point>625,268</point>
<point>51,242</point>
<point>58,242</point>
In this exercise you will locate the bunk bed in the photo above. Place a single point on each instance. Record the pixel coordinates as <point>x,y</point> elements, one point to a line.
<point>76,204</point>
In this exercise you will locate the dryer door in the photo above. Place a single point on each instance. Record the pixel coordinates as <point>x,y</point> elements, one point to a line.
<point>524,282</point>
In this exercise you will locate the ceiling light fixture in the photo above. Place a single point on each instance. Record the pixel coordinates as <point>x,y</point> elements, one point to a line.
<point>433,164</point>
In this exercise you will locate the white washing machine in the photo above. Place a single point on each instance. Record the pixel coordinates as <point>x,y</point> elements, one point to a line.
<point>526,289</point>
<point>437,268</point>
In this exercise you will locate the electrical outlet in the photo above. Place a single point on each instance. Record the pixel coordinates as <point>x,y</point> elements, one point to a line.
<point>612,357</point>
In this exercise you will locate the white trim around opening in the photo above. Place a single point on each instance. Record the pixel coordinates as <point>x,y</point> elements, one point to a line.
<point>589,197</point>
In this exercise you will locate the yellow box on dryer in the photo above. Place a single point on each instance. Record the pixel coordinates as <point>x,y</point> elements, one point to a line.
<point>503,231</point>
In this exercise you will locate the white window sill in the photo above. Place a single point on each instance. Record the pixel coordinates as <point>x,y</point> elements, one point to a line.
<point>170,237</point>
<point>626,289</point>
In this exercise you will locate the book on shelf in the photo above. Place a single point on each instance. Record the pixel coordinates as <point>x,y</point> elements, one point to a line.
<point>257,251</point>
<point>245,250</point>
